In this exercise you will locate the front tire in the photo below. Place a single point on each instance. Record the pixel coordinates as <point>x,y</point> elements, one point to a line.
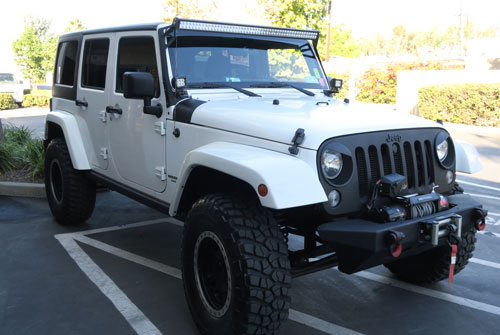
<point>235,267</point>
<point>434,265</point>
<point>70,195</point>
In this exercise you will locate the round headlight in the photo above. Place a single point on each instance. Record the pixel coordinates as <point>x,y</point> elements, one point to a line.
<point>331,163</point>
<point>442,150</point>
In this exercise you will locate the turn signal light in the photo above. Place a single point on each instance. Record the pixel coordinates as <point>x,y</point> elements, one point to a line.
<point>262,189</point>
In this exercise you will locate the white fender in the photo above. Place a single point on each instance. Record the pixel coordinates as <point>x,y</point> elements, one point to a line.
<point>291,182</point>
<point>468,160</point>
<point>72,136</point>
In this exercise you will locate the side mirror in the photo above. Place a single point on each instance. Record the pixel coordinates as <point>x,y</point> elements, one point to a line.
<point>141,85</point>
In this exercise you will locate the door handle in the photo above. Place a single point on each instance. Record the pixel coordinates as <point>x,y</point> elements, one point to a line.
<point>81,103</point>
<point>111,109</point>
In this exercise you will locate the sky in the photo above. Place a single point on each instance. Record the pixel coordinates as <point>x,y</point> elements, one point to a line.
<point>364,17</point>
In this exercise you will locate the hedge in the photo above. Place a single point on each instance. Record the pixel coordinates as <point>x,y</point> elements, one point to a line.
<point>379,85</point>
<point>7,101</point>
<point>37,98</point>
<point>473,104</point>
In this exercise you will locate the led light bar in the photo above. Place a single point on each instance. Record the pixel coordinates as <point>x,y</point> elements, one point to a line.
<point>246,29</point>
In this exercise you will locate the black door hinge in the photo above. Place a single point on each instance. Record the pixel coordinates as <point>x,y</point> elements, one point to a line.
<point>296,141</point>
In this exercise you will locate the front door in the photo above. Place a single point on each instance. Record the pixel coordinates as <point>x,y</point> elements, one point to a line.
<point>93,93</point>
<point>137,141</point>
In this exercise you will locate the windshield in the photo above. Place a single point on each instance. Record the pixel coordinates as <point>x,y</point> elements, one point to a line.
<point>245,61</point>
<point>7,78</point>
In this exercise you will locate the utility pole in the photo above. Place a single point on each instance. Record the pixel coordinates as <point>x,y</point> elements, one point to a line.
<point>328,31</point>
<point>461,36</point>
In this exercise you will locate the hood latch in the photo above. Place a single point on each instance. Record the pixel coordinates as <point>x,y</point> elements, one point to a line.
<point>296,141</point>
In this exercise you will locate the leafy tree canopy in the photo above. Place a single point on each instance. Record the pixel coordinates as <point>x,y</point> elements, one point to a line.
<point>34,50</point>
<point>74,25</point>
<point>189,9</point>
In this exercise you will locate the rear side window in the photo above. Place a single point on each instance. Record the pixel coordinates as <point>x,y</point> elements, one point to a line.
<point>95,61</point>
<point>66,63</point>
<point>136,54</point>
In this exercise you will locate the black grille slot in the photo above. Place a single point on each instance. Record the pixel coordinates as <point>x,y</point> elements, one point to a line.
<point>420,163</point>
<point>386,159</point>
<point>374,163</point>
<point>409,165</point>
<point>362,171</point>
<point>430,162</point>
<point>398,159</point>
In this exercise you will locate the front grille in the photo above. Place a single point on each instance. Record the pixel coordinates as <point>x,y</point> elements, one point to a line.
<point>411,159</point>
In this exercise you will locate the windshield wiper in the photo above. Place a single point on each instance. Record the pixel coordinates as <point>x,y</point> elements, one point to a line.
<point>222,85</point>
<point>278,85</point>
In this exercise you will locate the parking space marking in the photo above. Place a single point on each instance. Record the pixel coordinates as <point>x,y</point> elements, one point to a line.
<point>319,324</point>
<point>484,262</point>
<point>479,185</point>
<point>137,320</point>
<point>483,196</point>
<point>488,233</point>
<point>69,242</point>
<point>430,293</point>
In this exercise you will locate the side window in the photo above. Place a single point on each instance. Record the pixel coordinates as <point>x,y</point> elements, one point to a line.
<point>136,54</point>
<point>95,60</point>
<point>66,62</point>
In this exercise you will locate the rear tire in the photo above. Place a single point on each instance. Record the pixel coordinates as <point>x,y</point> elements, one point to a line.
<point>235,267</point>
<point>70,195</point>
<point>434,265</point>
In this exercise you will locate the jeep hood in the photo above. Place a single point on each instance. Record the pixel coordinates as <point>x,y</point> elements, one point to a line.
<point>259,117</point>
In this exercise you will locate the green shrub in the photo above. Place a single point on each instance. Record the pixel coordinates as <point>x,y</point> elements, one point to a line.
<point>344,91</point>
<point>7,101</point>
<point>379,85</point>
<point>37,98</point>
<point>34,157</point>
<point>20,151</point>
<point>474,104</point>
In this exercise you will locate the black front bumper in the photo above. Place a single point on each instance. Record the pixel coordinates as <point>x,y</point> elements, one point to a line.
<point>361,244</point>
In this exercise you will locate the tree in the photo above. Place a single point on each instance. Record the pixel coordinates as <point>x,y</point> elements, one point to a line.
<point>74,25</point>
<point>34,50</point>
<point>194,9</point>
<point>342,43</point>
<point>299,14</point>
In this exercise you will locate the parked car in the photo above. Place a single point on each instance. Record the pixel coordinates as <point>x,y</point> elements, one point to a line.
<point>10,84</point>
<point>235,129</point>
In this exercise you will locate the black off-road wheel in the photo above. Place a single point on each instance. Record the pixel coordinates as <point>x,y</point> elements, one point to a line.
<point>434,265</point>
<point>235,267</point>
<point>70,195</point>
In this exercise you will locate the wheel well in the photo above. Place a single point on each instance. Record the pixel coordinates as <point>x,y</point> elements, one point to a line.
<point>203,181</point>
<point>53,131</point>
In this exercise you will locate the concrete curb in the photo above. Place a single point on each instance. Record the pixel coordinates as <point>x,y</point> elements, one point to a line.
<point>13,189</point>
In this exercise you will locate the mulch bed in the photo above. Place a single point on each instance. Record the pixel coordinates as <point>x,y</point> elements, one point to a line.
<point>21,176</point>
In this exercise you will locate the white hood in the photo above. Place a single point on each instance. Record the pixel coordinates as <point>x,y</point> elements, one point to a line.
<point>259,117</point>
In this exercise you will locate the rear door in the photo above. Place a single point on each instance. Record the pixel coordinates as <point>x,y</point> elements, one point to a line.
<point>137,141</point>
<point>93,93</point>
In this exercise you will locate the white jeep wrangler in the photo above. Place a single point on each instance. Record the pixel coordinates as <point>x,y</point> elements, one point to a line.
<point>234,129</point>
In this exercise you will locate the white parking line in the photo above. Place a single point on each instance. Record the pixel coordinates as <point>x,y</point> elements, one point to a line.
<point>488,233</point>
<point>483,196</point>
<point>478,185</point>
<point>137,320</point>
<point>121,301</point>
<point>484,262</point>
<point>430,293</point>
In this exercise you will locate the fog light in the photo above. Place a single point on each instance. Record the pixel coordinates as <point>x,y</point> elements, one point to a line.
<point>334,198</point>
<point>449,176</point>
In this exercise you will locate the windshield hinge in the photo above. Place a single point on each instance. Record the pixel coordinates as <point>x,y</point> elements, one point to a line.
<point>296,141</point>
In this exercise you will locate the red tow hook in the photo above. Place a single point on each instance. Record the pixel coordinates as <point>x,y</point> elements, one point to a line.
<point>480,218</point>
<point>395,238</point>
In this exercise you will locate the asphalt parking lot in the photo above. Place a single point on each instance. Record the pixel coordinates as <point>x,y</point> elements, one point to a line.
<point>119,274</point>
